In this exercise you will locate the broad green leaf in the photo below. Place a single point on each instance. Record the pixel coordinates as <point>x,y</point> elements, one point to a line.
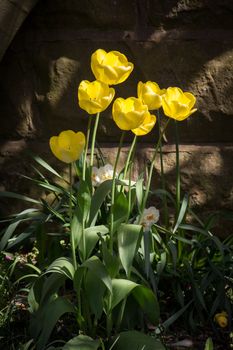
<point>182,212</point>
<point>50,315</point>
<point>121,288</point>
<point>111,261</point>
<point>91,238</point>
<point>139,193</point>
<point>82,342</point>
<point>94,292</point>
<point>97,267</point>
<point>137,341</point>
<point>209,344</point>
<point>148,303</point>
<point>76,228</point>
<point>84,200</point>
<point>120,207</point>
<point>128,240</point>
<point>51,285</point>
<point>98,199</point>
<point>62,265</point>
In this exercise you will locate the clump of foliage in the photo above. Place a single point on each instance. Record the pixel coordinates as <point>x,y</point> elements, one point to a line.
<point>106,263</point>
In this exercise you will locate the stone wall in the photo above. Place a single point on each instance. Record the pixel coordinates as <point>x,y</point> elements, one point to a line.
<point>185,43</point>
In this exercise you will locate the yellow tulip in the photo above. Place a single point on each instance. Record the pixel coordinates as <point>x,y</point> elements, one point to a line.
<point>95,96</point>
<point>221,319</point>
<point>146,126</point>
<point>110,67</point>
<point>68,145</point>
<point>178,104</point>
<point>129,113</point>
<point>150,94</point>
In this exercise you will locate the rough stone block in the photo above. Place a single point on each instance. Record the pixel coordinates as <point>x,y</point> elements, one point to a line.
<point>190,13</point>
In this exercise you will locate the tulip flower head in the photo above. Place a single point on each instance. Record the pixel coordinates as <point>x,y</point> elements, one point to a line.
<point>150,216</point>
<point>68,145</point>
<point>150,94</point>
<point>146,126</point>
<point>129,113</point>
<point>178,104</point>
<point>221,319</point>
<point>95,96</point>
<point>110,67</point>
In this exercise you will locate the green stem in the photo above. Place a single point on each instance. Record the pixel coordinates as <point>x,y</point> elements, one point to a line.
<point>129,156</point>
<point>177,170</point>
<point>70,216</point>
<point>162,174</point>
<point>151,171</point>
<point>113,191</point>
<point>86,148</point>
<point>129,194</point>
<point>93,139</point>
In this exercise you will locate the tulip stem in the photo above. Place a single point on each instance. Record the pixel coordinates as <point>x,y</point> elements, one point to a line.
<point>70,216</point>
<point>129,156</point>
<point>177,170</point>
<point>162,174</point>
<point>151,171</point>
<point>113,191</point>
<point>86,148</point>
<point>93,139</point>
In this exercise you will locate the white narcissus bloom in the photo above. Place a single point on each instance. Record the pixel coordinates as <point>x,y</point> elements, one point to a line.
<point>106,172</point>
<point>149,217</point>
<point>102,174</point>
<point>95,176</point>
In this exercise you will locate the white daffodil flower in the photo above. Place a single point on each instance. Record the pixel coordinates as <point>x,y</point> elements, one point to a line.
<point>149,217</point>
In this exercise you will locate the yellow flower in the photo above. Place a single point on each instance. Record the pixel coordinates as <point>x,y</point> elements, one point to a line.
<point>146,126</point>
<point>178,104</point>
<point>68,145</point>
<point>95,96</point>
<point>221,319</point>
<point>150,94</point>
<point>110,67</point>
<point>129,113</point>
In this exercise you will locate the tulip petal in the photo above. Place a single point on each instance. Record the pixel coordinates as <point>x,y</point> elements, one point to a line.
<point>146,126</point>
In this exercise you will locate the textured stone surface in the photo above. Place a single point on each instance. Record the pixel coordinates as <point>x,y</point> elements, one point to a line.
<point>186,43</point>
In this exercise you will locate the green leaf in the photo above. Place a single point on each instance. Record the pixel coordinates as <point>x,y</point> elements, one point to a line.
<point>82,342</point>
<point>175,316</point>
<point>91,238</point>
<point>121,288</point>
<point>94,291</point>
<point>18,196</point>
<point>98,199</point>
<point>76,228</point>
<point>139,193</point>
<point>46,165</point>
<point>97,267</point>
<point>128,240</point>
<point>120,207</point>
<point>148,302</point>
<point>50,315</point>
<point>182,212</point>
<point>209,344</point>
<point>62,265</point>
<point>137,341</point>
<point>84,200</point>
